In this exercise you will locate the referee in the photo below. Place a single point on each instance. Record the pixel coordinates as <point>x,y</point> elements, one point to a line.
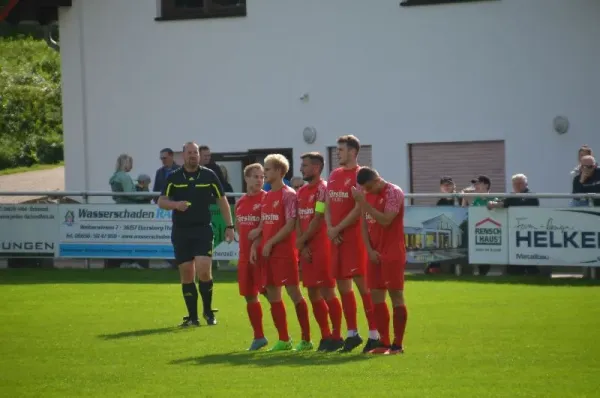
<point>189,191</point>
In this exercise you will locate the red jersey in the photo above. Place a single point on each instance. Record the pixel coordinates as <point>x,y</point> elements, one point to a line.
<point>247,216</point>
<point>278,207</point>
<point>339,191</point>
<point>308,197</point>
<point>387,241</point>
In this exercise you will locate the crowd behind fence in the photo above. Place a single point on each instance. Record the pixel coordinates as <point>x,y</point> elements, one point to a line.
<point>559,236</point>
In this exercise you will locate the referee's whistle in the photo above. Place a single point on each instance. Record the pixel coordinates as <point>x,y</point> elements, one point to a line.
<point>188,203</point>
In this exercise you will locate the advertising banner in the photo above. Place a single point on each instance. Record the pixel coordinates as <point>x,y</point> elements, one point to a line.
<point>544,236</point>
<point>488,236</point>
<point>28,230</point>
<point>114,231</point>
<point>435,234</point>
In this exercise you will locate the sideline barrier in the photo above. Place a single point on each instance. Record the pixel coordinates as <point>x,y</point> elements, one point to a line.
<point>517,236</point>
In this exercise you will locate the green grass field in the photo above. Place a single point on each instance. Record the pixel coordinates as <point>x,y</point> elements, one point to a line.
<point>109,333</point>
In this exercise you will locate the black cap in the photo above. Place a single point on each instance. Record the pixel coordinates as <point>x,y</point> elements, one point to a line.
<point>482,179</point>
<point>446,180</point>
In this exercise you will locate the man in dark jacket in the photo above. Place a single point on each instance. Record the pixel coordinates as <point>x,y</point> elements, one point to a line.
<point>206,161</point>
<point>169,165</point>
<point>589,179</point>
<point>519,183</point>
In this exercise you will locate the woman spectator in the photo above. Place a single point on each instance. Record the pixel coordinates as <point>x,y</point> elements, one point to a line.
<point>583,151</point>
<point>121,181</point>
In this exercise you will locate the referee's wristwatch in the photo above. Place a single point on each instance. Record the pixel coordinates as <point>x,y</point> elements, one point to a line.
<point>230,227</point>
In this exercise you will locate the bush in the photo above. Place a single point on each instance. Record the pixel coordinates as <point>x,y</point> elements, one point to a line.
<point>30,103</point>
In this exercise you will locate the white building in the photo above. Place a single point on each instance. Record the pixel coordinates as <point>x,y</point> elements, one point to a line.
<point>447,89</point>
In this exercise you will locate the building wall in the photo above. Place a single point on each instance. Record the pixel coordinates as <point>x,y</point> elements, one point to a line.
<point>393,76</point>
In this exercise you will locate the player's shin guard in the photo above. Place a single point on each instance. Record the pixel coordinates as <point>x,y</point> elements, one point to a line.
<point>302,314</point>
<point>382,314</point>
<point>369,311</point>
<point>349,306</point>
<point>280,320</point>
<point>190,295</point>
<point>206,292</point>
<point>320,310</point>
<point>400,318</point>
<point>255,315</point>
<point>335,314</point>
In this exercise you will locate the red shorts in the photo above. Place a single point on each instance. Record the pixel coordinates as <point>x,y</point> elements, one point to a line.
<point>317,273</point>
<point>281,271</point>
<point>250,278</point>
<point>388,275</point>
<point>349,258</point>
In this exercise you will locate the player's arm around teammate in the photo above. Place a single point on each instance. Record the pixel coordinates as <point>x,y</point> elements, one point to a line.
<point>382,205</point>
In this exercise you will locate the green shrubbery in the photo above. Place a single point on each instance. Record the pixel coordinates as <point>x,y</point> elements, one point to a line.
<point>30,103</point>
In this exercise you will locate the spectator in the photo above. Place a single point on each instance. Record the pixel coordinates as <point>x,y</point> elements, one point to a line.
<point>169,165</point>
<point>143,185</point>
<point>297,183</point>
<point>206,161</point>
<point>583,151</point>
<point>446,186</point>
<point>121,181</point>
<point>481,184</point>
<point>519,183</point>
<point>227,185</point>
<point>588,181</point>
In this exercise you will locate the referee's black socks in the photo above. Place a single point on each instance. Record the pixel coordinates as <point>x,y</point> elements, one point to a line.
<point>206,292</point>
<point>190,295</point>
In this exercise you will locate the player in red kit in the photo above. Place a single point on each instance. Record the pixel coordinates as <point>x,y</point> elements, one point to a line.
<point>277,243</point>
<point>315,252</point>
<point>247,217</point>
<point>382,204</point>
<point>349,255</point>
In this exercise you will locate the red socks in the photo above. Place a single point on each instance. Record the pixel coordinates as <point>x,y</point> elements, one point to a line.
<point>321,311</point>
<point>400,317</point>
<point>349,306</point>
<point>382,315</point>
<point>255,314</point>
<point>369,312</point>
<point>302,313</point>
<point>335,314</point>
<point>280,321</point>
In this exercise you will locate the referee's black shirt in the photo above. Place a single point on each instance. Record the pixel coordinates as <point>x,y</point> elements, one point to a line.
<point>199,188</point>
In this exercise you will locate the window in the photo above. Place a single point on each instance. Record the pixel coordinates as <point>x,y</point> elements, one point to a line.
<point>198,9</point>
<point>365,157</point>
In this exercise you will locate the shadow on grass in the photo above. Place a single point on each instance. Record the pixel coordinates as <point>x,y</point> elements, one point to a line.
<point>264,358</point>
<point>13,276</point>
<point>140,333</point>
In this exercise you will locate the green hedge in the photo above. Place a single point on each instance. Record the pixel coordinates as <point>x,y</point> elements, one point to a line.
<point>30,103</point>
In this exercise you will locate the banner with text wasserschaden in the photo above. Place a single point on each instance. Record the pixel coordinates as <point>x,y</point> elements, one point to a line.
<point>114,231</point>
<point>539,236</point>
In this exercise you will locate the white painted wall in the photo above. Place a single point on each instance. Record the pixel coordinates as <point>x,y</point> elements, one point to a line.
<point>391,75</point>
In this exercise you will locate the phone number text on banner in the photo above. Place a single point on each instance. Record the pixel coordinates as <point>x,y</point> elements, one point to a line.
<point>114,231</point>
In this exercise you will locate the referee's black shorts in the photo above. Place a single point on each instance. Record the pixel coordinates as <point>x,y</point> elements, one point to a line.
<point>190,242</point>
